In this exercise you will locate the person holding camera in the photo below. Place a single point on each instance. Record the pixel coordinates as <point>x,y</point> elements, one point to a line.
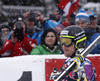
<point>33,30</point>
<point>46,23</point>
<point>19,44</point>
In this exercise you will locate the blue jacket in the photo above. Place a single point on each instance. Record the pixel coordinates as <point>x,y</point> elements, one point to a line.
<point>91,36</point>
<point>37,36</point>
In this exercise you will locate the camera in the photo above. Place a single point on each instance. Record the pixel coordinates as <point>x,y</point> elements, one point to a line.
<point>18,29</point>
<point>32,17</point>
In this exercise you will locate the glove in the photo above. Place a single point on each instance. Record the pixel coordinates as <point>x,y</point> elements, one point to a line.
<point>78,59</point>
<point>54,74</point>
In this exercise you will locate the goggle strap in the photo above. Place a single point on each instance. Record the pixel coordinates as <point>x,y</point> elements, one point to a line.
<point>67,36</point>
<point>80,41</point>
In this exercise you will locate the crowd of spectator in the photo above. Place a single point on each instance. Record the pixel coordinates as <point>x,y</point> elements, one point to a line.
<point>31,34</point>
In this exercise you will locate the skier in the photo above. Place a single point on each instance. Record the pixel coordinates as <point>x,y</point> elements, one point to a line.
<point>73,40</point>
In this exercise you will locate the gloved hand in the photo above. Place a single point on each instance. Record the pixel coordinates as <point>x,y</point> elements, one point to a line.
<point>54,74</point>
<point>78,59</point>
<point>79,69</point>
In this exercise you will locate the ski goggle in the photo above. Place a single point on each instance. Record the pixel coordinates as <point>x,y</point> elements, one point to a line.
<point>66,40</point>
<point>69,40</point>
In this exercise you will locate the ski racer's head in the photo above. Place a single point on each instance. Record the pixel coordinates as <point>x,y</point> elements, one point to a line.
<point>82,19</point>
<point>72,38</point>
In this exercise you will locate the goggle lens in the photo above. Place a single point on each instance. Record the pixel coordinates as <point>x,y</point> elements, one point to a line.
<point>66,41</point>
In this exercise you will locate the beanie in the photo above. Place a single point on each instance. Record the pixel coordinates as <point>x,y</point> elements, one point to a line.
<point>65,24</point>
<point>52,23</point>
<point>82,16</point>
<point>90,13</point>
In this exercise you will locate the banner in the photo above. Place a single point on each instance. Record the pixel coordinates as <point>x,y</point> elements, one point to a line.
<point>35,67</point>
<point>22,68</point>
<point>57,63</point>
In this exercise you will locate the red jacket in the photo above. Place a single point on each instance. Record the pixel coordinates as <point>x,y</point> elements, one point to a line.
<point>20,48</point>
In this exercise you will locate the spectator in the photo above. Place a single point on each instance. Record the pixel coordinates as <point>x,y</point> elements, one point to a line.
<point>46,24</point>
<point>49,44</point>
<point>73,38</point>
<point>56,16</point>
<point>58,29</point>
<point>65,21</point>
<point>12,22</point>
<point>4,32</point>
<point>82,19</point>
<point>19,44</point>
<point>33,31</point>
<point>93,21</point>
<point>59,18</point>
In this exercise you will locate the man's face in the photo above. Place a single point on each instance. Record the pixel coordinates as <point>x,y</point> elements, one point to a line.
<point>82,24</point>
<point>93,22</point>
<point>68,46</point>
<point>4,34</point>
<point>68,51</point>
<point>29,24</point>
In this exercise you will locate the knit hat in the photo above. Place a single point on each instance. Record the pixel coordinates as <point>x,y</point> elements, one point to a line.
<point>82,16</point>
<point>91,14</point>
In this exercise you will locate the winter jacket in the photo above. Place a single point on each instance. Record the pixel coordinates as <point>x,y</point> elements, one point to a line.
<point>87,68</point>
<point>91,36</point>
<point>37,36</point>
<point>43,50</point>
<point>24,47</point>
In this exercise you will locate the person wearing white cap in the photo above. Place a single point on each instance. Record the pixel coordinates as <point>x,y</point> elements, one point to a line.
<point>82,19</point>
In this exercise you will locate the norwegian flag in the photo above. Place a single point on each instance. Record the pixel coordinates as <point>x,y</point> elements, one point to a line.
<point>68,6</point>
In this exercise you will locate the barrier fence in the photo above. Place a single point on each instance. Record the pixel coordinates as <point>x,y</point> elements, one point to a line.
<point>36,67</point>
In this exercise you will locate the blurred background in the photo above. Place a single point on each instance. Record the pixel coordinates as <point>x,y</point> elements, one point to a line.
<point>10,8</point>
